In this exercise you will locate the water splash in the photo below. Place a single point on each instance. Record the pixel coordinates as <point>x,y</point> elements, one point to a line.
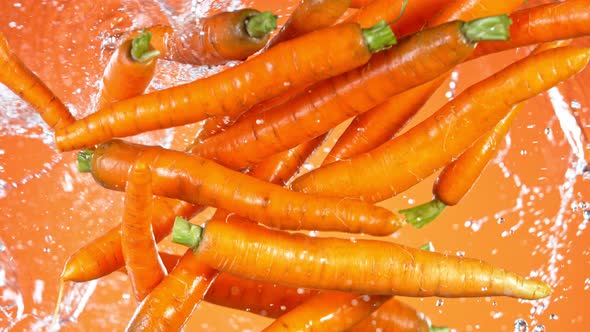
<point>11,300</point>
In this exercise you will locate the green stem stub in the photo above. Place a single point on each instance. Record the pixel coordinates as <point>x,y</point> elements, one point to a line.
<point>379,37</point>
<point>427,246</point>
<point>186,233</point>
<point>421,215</point>
<point>84,160</point>
<point>487,28</point>
<point>260,25</point>
<point>140,48</point>
<point>439,329</point>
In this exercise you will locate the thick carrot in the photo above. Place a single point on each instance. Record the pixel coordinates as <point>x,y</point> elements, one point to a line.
<point>404,161</point>
<point>328,103</point>
<point>393,315</point>
<point>129,71</point>
<point>360,3</point>
<point>142,262</point>
<point>173,292</point>
<point>294,63</point>
<point>22,81</point>
<point>200,181</point>
<point>295,259</point>
<point>328,311</point>
<point>217,39</point>
<point>543,23</point>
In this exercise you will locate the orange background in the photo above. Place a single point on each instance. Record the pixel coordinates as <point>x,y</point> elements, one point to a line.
<point>48,210</point>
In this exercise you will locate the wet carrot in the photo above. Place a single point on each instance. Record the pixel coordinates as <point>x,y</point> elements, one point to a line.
<point>142,262</point>
<point>359,3</point>
<point>199,181</point>
<point>217,39</point>
<point>294,63</point>
<point>328,311</point>
<point>393,315</point>
<point>129,71</point>
<point>295,259</point>
<point>328,103</point>
<point>21,80</point>
<point>404,161</point>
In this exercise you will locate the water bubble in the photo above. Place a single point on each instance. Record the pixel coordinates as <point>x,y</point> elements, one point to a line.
<point>500,220</point>
<point>553,317</point>
<point>586,215</point>
<point>574,104</point>
<point>539,328</point>
<point>440,302</point>
<point>520,325</point>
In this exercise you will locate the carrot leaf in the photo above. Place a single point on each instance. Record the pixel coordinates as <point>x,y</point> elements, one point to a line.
<point>421,215</point>
<point>140,47</point>
<point>84,160</point>
<point>260,25</point>
<point>487,28</point>
<point>185,233</point>
<point>439,329</point>
<point>379,37</point>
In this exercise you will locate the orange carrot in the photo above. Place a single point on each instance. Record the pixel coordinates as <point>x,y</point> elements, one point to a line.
<point>217,39</point>
<point>404,161</point>
<point>295,259</point>
<point>360,3</point>
<point>173,292</point>
<point>129,71</point>
<point>294,63</point>
<point>393,315</point>
<point>328,103</point>
<point>200,181</point>
<point>22,81</point>
<point>142,262</point>
<point>328,311</point>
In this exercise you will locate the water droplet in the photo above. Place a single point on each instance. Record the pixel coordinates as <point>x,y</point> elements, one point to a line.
<point>500,220</point>
<point>553,317</point>
<point>440,302</point>
<point>46,250</point>
<point>586,215</point>
<point>259,121</point>
<point>520,325</point>
<point>574,104</point>
<point>539,328</point>
<point>523,152</point>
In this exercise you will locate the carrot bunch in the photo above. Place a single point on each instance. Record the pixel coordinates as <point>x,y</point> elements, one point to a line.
<point>265,117</point>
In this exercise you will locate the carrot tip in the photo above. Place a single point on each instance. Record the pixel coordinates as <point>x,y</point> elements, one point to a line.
<point>421,215</point>
<point>260,25</point>
<point>140,47</point>
<point>487,28</point>
<point>186,233</point>
<point>84,159</point>
<point>379,37</point>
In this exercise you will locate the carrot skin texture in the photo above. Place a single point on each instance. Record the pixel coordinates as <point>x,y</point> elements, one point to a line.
<point>323,263</point>
<point>393,315</point>
<point>212,40</point>
<point>142,261</point>
<point>328,311</point>
<point>414,16</point>
<point>21,80</point>
<point>328,103</point>
<point>199,181</point>
<point>165,308</point>
<point>404,161</point>
<point>236,88</point>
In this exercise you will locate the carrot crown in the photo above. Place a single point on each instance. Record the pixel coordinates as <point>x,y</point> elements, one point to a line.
<point>439,329</point>
<point>185,233</point>
<point>487,28</point>
<point>421,215</point>
<point>140,47</point>
<point>379,37</point>
<point>261,24</point>
<point>84,159</point>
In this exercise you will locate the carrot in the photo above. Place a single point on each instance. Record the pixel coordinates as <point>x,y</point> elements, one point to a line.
<point>153,314</point>
<point>142,262</point>
<point>543,23</point>
<point>378,125</point>
<point>295,259</point>
<point>359,3</point>
<point>328,311</point>
<point>129,71</point>
<point>217,39</point>
<point>404,161</point>
<point>168,259</point>
<point>393,315</point>
<point>294,63</point>
<point>328,103</point>
<point>22,81</point>
<point>200,181</point>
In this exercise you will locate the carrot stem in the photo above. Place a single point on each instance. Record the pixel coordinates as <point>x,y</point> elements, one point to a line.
<point>379,37</point>
<point>185,233</point>
<point>260,25</point>
<point>84,160</point>
<point>427,246</point>
<point>421,215</point>
<point>487,28</point>
<point>140,47</point>
<point>439,329</point>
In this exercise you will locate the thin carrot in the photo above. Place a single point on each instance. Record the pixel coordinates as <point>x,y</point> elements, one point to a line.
<point>294,63</point>
<point>142,262</point>
<point>295,259</point>
<point>328,103</point>
<point>328,311</point>
<point>217,39</point>
<point>200,181</point>
<point>129,71</point>
<point>153,312</point>
<point>22,81</point>
<point>393,315</point>
<point>404,161</point>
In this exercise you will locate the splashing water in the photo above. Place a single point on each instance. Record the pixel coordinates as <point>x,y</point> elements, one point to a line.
<point>11,299</point>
